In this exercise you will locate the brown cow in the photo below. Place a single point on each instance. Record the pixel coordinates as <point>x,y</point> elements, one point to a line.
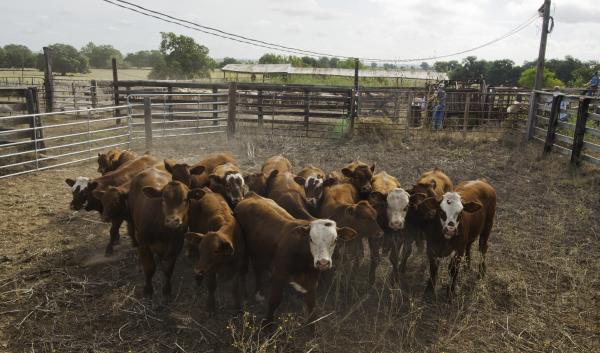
<point>217,239</point>
<point>115,210</point>
<point>430,185</point>
<point>391,203</point>
<point>341,203</point>
<point>159,209</point>
<point>113,159</point>
<point>312,179</point>
<point>360,175</point>
<point>462,216</point>
<point>83,187</point>
<point>227,180</point>
<point>197,175</point>
<point>283,189</point>
<point>257,182</point>
<point>295,250</point>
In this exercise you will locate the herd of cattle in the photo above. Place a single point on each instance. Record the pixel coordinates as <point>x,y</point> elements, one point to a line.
<point>280,223</point>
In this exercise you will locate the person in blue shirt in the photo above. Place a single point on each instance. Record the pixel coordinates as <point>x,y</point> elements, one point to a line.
<point>593,84</point>
<point>440,107</point>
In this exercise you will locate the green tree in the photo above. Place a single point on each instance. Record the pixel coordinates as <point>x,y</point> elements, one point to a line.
<point>310,62</point>
<point>445,66</point>
<point>528,77</point>
<point>144,58</point>
<point>227,61</point>
<point>502,72</point>
<point>2,57</point>
<point>470,69</point>
<point>564,68</point>
<point>424,65</point>
<point>323,62</point>
<point>183,58</point>
<point>100,56</point>
<point>66,59</point>
<point>271,58</point>
<point>583,74</point>
<point>16,55</point>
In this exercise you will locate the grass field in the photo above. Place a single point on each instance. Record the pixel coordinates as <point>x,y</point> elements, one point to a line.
<point>58,293</point>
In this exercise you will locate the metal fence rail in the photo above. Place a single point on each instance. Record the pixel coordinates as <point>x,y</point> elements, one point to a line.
<point>60,138</point>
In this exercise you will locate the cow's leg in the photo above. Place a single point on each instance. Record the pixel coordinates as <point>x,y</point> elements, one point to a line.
<point>483,247</point>
<point>394,247</point>
<point>405,253</point>
<point>277,284</point>
<point>453,268</point>
<point>434,263</point>
<point>131,233</point>
<point>211,286</point>
<point>258,274</point>
<point>174,248</point>
<point>374,248</point>
<point>236,291</point>
<point>114,236</point>
<point>468,255</point>
<point>149,266</point>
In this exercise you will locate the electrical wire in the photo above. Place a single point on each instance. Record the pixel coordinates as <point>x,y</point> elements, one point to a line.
<point>278,47</point>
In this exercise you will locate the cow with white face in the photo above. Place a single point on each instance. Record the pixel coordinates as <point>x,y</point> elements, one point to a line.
<point>313,180</point>
<point>228,181</point>
<point>463,216</point>
<point>294,250</point>
<point>79,191</point>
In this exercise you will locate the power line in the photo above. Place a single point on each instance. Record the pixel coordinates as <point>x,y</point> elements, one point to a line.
<point>278,47</point>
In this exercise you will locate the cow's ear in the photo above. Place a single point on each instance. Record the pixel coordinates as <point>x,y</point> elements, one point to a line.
<point>347,172</point>
<point>225,248</point>
<point>70,182</point>
<point>300,180</point>
<point>99,154</point>
<point>373,168</point>
<point>151,192</point>
<point>194,238</point>
<point>303,229</point>
<point>431,203</point>
<point>351,210</point>
<point>214,179</point>
<point>346,233</point>
<point>413,197</point>
<point>197,170</point>
<point>169,163</point>
<point>98,194</point>
<point>376,197</point>
<point>92,185</point>
<point>472,206</point>
<point>196,194</point>
<point>329,182</point>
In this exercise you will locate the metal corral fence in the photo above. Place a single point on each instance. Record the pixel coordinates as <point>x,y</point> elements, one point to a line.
<point>62,138</point>
<point>568,124</point>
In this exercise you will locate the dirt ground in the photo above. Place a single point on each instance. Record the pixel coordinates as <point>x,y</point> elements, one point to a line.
<point>58,293</point>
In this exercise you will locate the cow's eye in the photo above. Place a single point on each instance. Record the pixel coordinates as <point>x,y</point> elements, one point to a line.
<point>443,215</point>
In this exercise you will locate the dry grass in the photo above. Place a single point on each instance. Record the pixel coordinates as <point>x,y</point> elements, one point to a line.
<point>58,293</point>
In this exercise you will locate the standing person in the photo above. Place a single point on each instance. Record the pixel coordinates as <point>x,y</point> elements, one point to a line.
<point>593,84</point>
<point>439,108</point>
<point>562,114</point>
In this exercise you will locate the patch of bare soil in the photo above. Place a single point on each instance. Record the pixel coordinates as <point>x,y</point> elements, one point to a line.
<point>58,293</point>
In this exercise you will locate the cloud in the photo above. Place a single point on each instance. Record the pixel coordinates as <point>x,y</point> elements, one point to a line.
<point>573,14</point>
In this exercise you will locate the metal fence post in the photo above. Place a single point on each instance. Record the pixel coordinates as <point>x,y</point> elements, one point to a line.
<point>466,115</point>
<point>582,117</point>
<point>530,129</point>
<point>94,93</point>
<point>215,106</point>
<point>353,108</point>
<point>552,123</point>
<point>231,109</point>
<point>148,122</point>
<point>260,108</point>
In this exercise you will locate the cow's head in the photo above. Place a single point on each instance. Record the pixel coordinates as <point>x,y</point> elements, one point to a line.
<point>360,176</point>
<point>256,182</point>
<point>362,217</point>
<point>212,250</point>
<point>82,189</point>
<point>104,163</point>
<point>182,172</point>
<point>323,234</point>
<point>175,199</point>
<point>450,211</point>
<point>395,204</point>
<point>114,203</point>
<point>231,186</point>
<point>313,188</point>
<point>423,200</point>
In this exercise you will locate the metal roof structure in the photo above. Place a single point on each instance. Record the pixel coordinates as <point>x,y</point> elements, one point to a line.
<point>289,69</point>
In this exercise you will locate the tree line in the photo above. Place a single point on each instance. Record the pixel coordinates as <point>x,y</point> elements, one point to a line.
<point>180,57</point>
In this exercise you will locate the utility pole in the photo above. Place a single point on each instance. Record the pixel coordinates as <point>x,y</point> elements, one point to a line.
<point>48,80</point>
<point>539,74</point>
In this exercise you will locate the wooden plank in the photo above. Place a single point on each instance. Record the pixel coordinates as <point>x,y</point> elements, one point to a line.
<point>13,107</point>
<point>580,127</point>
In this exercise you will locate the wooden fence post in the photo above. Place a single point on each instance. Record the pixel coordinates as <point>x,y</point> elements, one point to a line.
<point>215,106</point>
<point>31,99</point>
<point>260,108</point>
<point>94,94</point>
<point>582,117</point>
<point>74,93</point>
<point>530,129</point>
<point>353,103</point>
<point>48,80</point>
<point>231,109</point>
<point>552,123</point>
<point>116,89</point>
<point>170,102</point>
<point>466,115</point>
<point>148,122</point>
<point>306,109</point>
<point>409,98</point>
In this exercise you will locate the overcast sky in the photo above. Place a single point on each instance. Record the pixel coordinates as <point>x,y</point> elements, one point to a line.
<point>366,28</point>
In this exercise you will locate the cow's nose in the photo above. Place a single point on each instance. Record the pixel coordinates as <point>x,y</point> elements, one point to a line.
<point>396,225</point>
<point>173,222</point>
<point>323,264</point>
<point>451,231</point>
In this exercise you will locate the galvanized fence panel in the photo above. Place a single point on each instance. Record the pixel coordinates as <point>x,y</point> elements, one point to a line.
<point>60,138</point>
